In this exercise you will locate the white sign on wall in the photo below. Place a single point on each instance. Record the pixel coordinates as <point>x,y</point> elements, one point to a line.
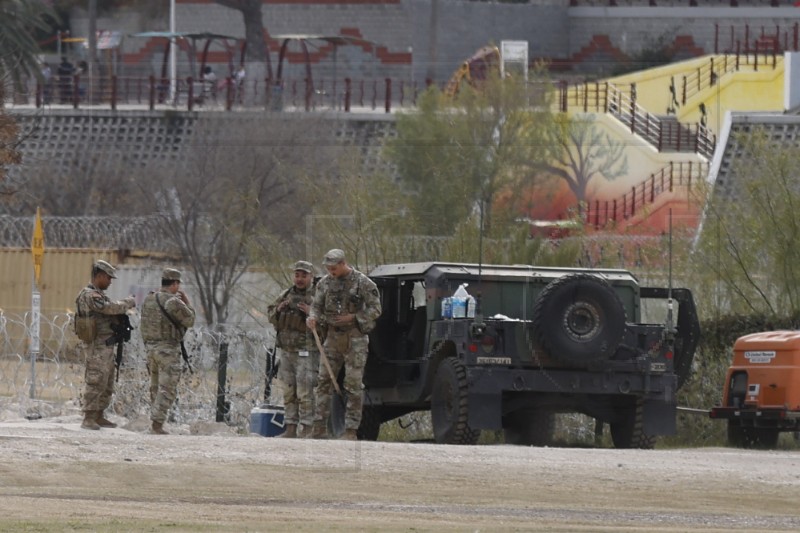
<point>514,60</point>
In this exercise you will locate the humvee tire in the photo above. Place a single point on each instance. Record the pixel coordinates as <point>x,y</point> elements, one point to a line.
<point>449,405</point>
<point>627,432</point>
<point>370,426</point>
<point>578,319</point>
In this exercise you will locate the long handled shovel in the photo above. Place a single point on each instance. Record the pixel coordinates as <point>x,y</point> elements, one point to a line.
<point>328,366</point>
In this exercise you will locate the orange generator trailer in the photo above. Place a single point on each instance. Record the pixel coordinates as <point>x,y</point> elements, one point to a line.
<point>761,397</point>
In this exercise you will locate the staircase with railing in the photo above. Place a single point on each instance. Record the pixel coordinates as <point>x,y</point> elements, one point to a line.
<point>625,209</point>
<point>664,134</point>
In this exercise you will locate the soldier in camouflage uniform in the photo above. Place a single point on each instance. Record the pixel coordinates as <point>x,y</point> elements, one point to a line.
<point>97,312</point>
<point>347,302</point>
<point>299,354</point>
<point>166,315</point>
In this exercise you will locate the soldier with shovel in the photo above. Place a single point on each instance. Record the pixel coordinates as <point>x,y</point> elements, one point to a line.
<point>347,302</point>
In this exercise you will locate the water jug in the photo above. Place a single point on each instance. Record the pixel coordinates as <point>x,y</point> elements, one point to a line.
<point>460,301</point>
<point>447,307</point>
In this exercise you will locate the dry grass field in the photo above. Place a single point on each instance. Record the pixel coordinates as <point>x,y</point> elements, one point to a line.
<point>205,477</point>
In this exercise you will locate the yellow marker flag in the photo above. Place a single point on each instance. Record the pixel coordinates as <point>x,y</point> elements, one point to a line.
<point>37,246</point>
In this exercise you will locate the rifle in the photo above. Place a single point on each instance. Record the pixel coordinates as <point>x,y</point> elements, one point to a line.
<point>175,323</point>
<point>271,371</point>
<point>122,333</point>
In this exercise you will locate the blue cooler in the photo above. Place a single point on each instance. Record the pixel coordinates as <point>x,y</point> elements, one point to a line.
<point>267,420</point>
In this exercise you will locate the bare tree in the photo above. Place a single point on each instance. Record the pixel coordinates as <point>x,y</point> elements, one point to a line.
<point>747,256</point>
<point>256,47</point>
<point>100,182</point>
<point>9,155</point>
<point>237,177</point>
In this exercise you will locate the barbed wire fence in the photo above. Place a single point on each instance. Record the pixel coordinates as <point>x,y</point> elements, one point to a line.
<point>116,233</point>
<point>228,363</point>
<point>205,393</point>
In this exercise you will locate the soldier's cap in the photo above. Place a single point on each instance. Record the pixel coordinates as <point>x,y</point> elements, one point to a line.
<point>333,257</point>
<point>305,266</point>
<point>171,274</point>
<point>106,267</point>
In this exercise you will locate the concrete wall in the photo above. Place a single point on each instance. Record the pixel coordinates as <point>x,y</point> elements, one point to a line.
<point>126,140</point>
<point>417,39</point>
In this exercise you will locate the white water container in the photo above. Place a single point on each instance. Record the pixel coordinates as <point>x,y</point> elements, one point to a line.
<point>447,307</point>
<point>471,303</point>
<point>460,301</point>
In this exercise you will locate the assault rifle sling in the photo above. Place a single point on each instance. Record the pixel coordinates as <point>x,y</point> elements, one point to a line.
<point>175,323</point>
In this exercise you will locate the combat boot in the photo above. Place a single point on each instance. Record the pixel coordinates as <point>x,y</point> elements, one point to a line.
<point>349,434</point>
<point>102,421</point>
<point>89,421</point>
<point>158,428</point>
<point>318,432</point>
<point>290,433</point>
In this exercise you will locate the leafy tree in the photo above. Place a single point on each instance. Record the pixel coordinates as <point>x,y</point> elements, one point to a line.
<point>18,48</point>
<point>583,152</point>
<point>747,256</point>
<point>365,215</point>
<point>459,155</point>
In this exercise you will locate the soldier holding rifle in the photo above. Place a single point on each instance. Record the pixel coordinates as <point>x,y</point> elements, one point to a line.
<point>96,319</point>
<point>299,356</point>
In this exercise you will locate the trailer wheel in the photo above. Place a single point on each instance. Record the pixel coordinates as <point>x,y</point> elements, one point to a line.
<point>529,427</point>
<point>751,438</point>
<point>626,431</point>
<point>578,319</point>
<point>449,405</point>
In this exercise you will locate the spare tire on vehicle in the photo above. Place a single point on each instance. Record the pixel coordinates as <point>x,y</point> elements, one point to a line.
<point>578,319</point>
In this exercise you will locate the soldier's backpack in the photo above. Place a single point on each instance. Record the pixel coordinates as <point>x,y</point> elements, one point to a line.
<point>85,325</point>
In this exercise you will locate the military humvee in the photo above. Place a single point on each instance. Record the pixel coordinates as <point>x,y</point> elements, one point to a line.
<point>542,341</point>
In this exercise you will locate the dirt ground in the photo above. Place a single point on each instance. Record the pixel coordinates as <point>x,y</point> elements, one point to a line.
<point>55,476</point>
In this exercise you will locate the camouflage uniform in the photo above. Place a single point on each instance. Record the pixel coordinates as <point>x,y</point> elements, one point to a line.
<point>162,340</point>
<point>299,356</point>
<point>99,376</point>
<point>354,293</point>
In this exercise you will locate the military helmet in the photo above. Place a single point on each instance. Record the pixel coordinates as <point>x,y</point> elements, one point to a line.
<point>305,266</point>
<point>171,274</point>
<point>104,266</point>
<point>333,257</point>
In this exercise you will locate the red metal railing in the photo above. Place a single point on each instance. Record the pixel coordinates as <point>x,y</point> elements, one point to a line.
<point>189,93</point>
<point>676,175</point>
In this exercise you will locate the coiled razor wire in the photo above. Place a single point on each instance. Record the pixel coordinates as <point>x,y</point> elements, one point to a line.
<point>117,233</point>
<point>635,252</point>
<point>58,370</point>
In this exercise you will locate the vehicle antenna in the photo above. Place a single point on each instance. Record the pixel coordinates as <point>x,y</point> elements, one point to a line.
<point>478,326</point>
<point>670,328</point>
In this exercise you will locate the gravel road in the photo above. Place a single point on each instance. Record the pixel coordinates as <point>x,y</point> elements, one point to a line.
<point>55,476</point>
